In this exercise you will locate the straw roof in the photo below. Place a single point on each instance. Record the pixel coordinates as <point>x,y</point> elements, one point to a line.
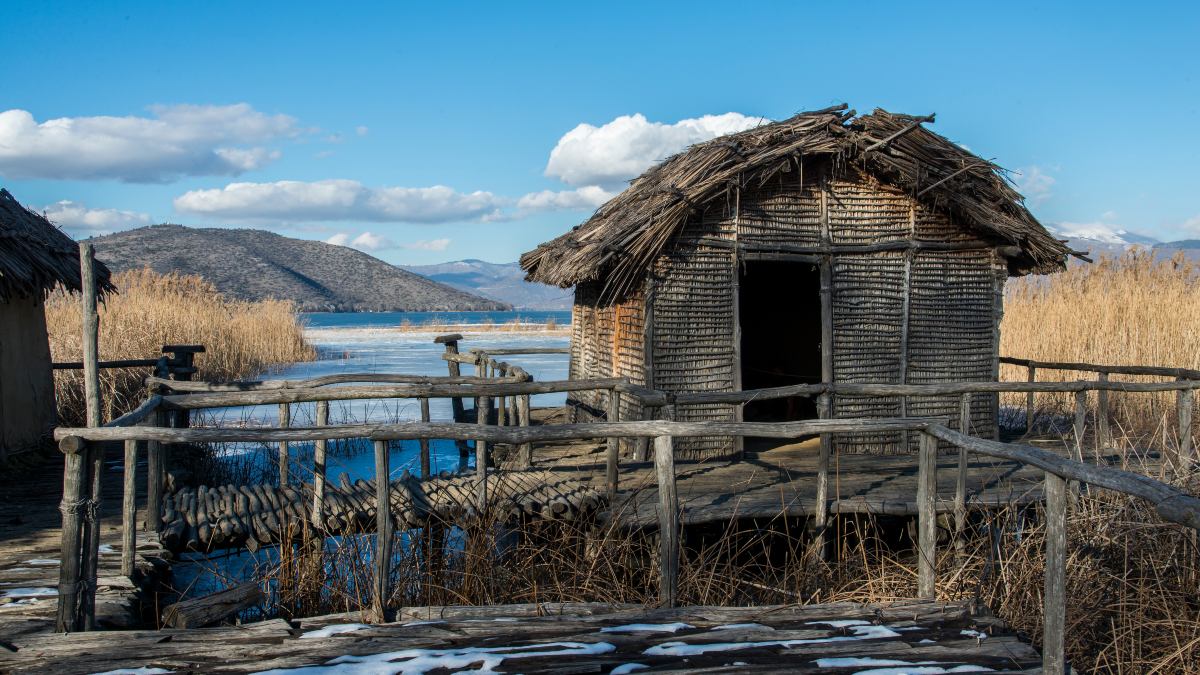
<point>621,240</point>
<point>35,255</point>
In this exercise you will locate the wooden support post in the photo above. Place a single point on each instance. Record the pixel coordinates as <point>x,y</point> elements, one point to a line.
<point>1029,402</point>
<point>74,503</point>
<point>960,483</point>
<point>1080,427</point>
<point>285,421</point>
<point>501,402</point>
<point>481,453</point>
<point>612,457</point>
<point>426,468</point>
<point>383,532</point>
<point>129,509</point>
<point>456,403</point>
<point>927,517</point>
<point>320,448</point>
<point>1184,405</point>
<point>668,521</point>
<point>821,514</point>
<point>1103,432</point>
<point>95,456</point>
<point>155,477</point>
<point>1054,610</point>
<point>526,452</point>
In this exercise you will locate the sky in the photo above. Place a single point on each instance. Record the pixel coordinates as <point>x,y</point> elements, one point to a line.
<point>460,130</point>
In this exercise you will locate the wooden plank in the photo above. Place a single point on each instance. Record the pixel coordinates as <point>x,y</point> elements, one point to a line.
<point>1054,607</point>
<point>210,609</point>
<point>668,521</point>
<point>927,517</point>
<point>129,508</point>
<point>383,533</point>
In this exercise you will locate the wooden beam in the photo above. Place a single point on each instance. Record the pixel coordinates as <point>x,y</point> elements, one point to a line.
<point>74,502</point>
<point>425,463</point>
<point>613,449</point>
<point>129,508</point>
<point>383,533</point>
<point>285,421</point>
<point>668,521</point>
<point>95,458</point>
<point>1184,405</point>
<point>960,483</point>
<point>927,517</point>
<point>1054,604</point>
<point>320,448</point>
<point>210,609</point>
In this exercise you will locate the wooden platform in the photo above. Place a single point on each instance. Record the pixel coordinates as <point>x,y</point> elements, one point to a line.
<point>561,638</point>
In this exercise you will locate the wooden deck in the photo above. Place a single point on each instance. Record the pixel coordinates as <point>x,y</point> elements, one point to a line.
<point>554,638</point>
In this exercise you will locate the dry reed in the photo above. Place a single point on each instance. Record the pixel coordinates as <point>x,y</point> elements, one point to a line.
<point>150,310</point>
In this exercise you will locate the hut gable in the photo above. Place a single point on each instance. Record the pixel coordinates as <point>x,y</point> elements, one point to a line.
<point>35,255</point>
<point>620,242</point>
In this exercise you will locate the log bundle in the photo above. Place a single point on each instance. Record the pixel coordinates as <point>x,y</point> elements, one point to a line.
<point>234,516</point>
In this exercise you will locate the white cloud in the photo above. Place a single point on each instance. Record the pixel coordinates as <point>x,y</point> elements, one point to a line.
<point>581,199</point>
<point>178,140</point>
<point>339,239</point>
<point>427,245</point>
<point>625,147</point>
<point>1035,184</point>
<point>1192,225</point>
<point>334,200</point>
<point>76,217</point>
<point>370,242</point>
<point>361,130</point>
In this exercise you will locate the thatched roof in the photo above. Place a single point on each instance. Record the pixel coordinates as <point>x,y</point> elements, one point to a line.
<point>620,241</point>
<point>35,255</point>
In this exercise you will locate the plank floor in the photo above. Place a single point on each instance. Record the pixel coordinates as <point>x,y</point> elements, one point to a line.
<point>570,638</point>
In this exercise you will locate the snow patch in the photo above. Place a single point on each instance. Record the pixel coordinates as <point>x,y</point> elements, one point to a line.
<point>35,592</point>
<point>923,670</point>
<point>647,628</point>
<point>42,561</point>
<point>861,632</point>
<point>742,626</point>
<point>334,629</point>
<point>973,633</point>
<point>414,661</point>
<point>625,668</point>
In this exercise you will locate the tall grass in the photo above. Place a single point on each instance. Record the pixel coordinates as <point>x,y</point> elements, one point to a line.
<point>1128,310</point>
<point>150,310</point>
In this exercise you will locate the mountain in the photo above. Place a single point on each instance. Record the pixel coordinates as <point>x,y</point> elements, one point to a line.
<point>1099,239</point>
<point>255,265</point>
<point>504,282</point>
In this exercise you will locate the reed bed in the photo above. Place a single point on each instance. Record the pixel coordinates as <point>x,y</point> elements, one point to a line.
<point>242,339</point>
<point>1129,310</point>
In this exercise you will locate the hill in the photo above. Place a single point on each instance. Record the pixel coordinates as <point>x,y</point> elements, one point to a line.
<point>255,264</point>
<point>504,282</point>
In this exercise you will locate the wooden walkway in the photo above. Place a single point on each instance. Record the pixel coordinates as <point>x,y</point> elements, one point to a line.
<point>561,638</point>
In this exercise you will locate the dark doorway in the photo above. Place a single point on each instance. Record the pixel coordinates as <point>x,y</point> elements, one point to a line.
<point>779,307</point>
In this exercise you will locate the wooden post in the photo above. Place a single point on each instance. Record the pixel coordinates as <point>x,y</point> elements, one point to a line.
<point>285,421</point>
<point>960,484</point>
<point>383,531</point>
<point>1029,402</point>
<point>320,448</point>
<point>74,501</point>
<point>129,509</point>
<point>927,517</point>
<point>821,514</point>
<point>668,521</point>
<point>501,402</point>
<point>155,477</point>
<point>526,452</point>
<point>1103,432</point>
<point>425,464</point>
<point>612,457</point>
<point>1054,611</point>
<point>1184,404</point>
<point>481,453</point>
<point>95,458</point>
<point>1080,427</point>
<point>456,403</point>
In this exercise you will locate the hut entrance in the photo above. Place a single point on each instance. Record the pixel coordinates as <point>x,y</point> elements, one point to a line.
<point>779,308</point>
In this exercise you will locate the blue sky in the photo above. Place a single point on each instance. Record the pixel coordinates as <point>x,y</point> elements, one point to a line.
<point>426,133</point>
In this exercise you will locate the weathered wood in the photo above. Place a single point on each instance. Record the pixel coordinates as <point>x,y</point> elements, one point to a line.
<point>210,609</point>
<point>927,517</point>
<point>1169,502</point>
<point>75,501</point>
<point>155,475</point>
<point>960,483</point>
<point>516,351</point>
<point>129,508</point>
<point>95,460</point>
<point>383,533</point>
<point>1080,425</point>
<point>1030,403</point>
<point>199,386</point>
<point>449,338</point>
<point>1184,373</point>
<point>1054,609</point>
<point>139,414</point>
<point>425,464</point>
<point>668,521</point>
<point>481,452</point>
<point>116,363</point>
<point>525,450</point>
<point>1103,432</point>
<point>285,421</point>
<point>821,511</point>
<point>1184,406</point>
<point>320,449</point>
<point>613,449</point>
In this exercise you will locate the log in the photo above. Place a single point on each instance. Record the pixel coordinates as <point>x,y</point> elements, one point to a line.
<point>1030,410</point>
<point>1080,425</point>
<point>320,448</point>
<point>613,449</point>
<point>383,532</point>
<point>1103,432</point>
<point>1184,405</point>
<point>285,421</point>
<point>129,508</point>
<point>211,609</point>
<point>481,452</point>
<point>927,517</point>
<point>95,458</point>
<point>1185,373</point>
<point>155,475</point>
<point>179,386</point>
<point>1054,607</point>
<point>960,483</point>
<point>74,501</point>
<point>425,469</point>
<point>668,521</point>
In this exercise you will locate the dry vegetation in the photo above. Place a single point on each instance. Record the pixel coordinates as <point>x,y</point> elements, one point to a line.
<point>151,310</point>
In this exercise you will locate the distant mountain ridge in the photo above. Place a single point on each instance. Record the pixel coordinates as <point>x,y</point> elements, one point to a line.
<point>1098,239</point>
<point>499,281</point>
<point>256,265</point>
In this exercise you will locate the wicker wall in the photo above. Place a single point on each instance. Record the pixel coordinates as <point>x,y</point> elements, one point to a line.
<point>950,296</point>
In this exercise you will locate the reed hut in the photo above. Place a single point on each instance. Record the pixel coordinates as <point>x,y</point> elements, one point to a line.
<point>35,257</point>
<point>828,247</point>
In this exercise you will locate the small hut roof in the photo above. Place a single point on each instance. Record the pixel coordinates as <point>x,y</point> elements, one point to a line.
<point>621,240</point>
<point>35,255</point>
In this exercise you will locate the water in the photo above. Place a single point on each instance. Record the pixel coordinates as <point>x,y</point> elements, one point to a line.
<point>394,319</point>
